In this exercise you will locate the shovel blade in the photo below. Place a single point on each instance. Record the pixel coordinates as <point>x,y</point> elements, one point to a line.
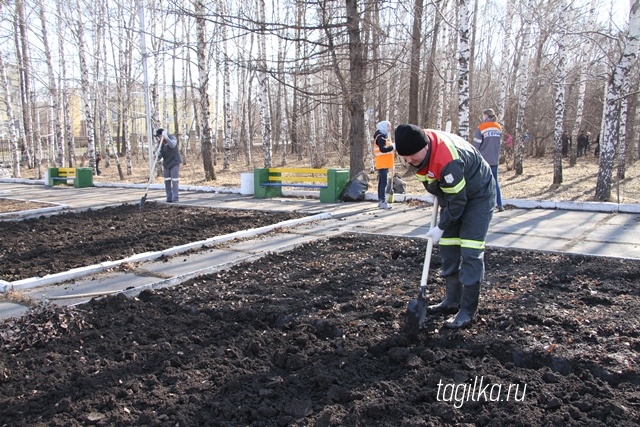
<point>416,314</point>
<point>144,199</point>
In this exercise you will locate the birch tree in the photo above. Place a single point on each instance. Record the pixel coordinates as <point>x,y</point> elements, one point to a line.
<point>226,90</point>
<point>612,104</point>
<point>463,69</point>
<point>13,134</point>
<point>523,90</point>
<point>24,67</point>
<point>560,84</point>
<point>58,140</point>
<point>203,89</point>
<point>263,87</point>
<point>86,87</point>
<point>66,107</point>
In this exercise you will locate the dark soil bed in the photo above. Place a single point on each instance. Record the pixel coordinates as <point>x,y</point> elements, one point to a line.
<point>52,244</point>
<point>314,337</point>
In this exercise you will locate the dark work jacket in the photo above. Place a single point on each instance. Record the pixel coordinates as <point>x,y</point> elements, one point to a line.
<point>170,153</point>
<point>455,172</point>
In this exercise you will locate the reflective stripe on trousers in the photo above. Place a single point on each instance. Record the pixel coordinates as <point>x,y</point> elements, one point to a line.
<point>462,245</point>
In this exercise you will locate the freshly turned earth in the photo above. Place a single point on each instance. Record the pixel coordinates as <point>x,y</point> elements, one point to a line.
<point>314,337</point>
<point>52,244</point>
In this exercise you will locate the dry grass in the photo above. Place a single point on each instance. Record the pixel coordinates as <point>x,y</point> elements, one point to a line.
<point>536,183</point>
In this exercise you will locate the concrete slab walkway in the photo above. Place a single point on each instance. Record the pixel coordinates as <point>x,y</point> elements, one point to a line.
<point>590,229</point>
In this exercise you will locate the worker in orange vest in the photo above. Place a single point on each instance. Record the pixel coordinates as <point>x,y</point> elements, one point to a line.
<point>383,157</point>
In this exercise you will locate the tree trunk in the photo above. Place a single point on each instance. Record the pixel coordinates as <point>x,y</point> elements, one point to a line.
<point>414,71</point>
<point>522,134</point>
<point>86,89</point>
<point>463,70</point>
<point>612,106</point>
<point>24,68</point>
<point>560,82</point>
<point>263,88</point>
<point>58,140</point>
<point>429,89</point>
<point>357,71</point>
<point>13,134</point>
<point>203,88</point>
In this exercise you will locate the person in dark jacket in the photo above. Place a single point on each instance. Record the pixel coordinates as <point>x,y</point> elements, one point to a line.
<point>565,139</point>
<point>170,155</point>
<point>487,139</point>
<point>456,173</point>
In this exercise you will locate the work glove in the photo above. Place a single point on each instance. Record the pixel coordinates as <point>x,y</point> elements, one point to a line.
<point>435,233</point>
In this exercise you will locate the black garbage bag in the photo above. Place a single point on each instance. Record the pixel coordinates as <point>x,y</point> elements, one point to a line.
<point>399,186</point>
<point>356,188</point>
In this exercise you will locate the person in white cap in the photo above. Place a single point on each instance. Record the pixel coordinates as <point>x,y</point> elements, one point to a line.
<point>383,158</point>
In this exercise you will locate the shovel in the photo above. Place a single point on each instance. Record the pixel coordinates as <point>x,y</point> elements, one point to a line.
<point>153,168</point>
<point>417,308</point>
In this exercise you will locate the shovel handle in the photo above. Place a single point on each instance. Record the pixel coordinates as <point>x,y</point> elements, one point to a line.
<point>427,256</point>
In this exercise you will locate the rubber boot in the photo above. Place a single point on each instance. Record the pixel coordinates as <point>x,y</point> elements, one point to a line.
<point>167,189</point>
<point>468,307</point>
<point>175,195</point>
<point>451,302</point>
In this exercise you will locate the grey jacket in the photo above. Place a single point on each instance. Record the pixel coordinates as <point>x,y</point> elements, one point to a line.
<point>170,153</point>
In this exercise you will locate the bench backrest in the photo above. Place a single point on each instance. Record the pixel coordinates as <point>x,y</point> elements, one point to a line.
<point>298,175</point>
<point>66,171</point>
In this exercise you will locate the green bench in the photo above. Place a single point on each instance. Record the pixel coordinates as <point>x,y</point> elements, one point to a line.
<point>268,182</point>
<point>79,177</point>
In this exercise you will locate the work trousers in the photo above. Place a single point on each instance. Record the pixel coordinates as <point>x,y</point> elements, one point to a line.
<point>462,244</point>
<point>383,176</point>
<point>171,183</point>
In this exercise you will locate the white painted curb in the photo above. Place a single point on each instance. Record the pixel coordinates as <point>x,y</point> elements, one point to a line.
<point>49,279</point>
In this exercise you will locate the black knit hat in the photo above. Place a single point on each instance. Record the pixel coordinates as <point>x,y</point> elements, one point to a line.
<point>409,139</point>
<point>159,132</point>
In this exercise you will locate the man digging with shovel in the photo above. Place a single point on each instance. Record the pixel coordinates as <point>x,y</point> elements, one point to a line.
<point>456,174</point>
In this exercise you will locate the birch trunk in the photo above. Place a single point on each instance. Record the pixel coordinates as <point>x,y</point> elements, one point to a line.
<point>622,140</point>
<point>203,89</point>
<point>86,89</point>
<point>106,127</point>
<point>58,140</point>
<point>37,139</point>
<point>226,109</point>
<point>523,94</point>
<point>560,89</point>
<point>505,74</point>
<point>263,88</point>
<point>612,104</point>
<point>463,69</point>
<point>66,108</point>
<point>24,68</point>
<point>13,133</point>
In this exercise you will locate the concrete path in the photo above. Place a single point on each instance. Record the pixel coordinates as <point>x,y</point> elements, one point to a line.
<point>579,228</point>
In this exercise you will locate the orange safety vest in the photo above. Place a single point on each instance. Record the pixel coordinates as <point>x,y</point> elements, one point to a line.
<point>382,160</point>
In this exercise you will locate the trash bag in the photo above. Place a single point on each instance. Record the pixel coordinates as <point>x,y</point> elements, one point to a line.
<point>399,186</point>
<point>356,188</point>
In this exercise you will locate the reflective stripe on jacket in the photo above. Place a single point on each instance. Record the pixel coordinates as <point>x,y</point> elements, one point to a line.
<point>487,139</point>
<point>455,172</point>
